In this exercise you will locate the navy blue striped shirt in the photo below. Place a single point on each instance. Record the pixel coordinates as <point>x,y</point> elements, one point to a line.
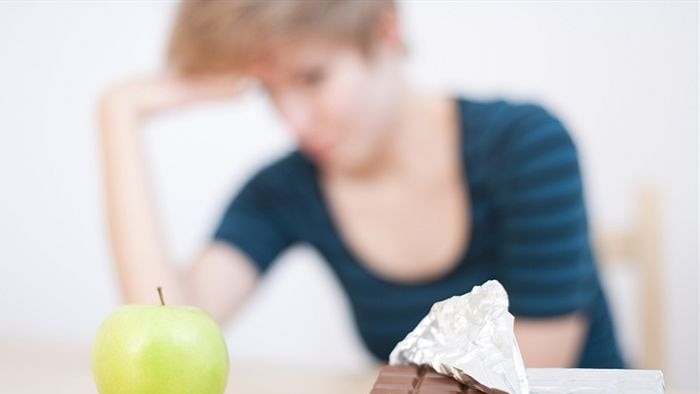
<point>529,230</point>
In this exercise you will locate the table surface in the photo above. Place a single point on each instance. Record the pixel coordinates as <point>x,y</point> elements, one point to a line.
<point>66,369</point>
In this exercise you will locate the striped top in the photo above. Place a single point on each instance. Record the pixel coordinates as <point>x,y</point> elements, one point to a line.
<point>529,230</point>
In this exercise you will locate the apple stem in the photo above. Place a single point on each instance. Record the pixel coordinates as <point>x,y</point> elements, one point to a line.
<point>160,294</point>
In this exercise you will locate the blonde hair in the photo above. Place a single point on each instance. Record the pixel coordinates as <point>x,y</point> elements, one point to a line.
<point>211,36</point>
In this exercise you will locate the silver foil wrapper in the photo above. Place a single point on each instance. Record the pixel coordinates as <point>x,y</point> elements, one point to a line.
<point>469,337</point>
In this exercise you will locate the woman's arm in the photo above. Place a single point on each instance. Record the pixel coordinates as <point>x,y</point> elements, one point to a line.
<point>220,276</point>
<point>551,342</point>
<point>546,262</point>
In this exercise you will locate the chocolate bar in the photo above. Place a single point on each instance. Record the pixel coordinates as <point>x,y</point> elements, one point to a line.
<point>411,379</point>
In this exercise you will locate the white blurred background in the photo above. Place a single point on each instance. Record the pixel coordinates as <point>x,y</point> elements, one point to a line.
<point>622,75</point>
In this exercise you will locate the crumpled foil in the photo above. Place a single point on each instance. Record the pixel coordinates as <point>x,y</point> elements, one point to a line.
<point>469,337</point>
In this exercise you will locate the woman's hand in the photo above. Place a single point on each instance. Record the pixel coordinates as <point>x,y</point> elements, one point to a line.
<point>146,96</point>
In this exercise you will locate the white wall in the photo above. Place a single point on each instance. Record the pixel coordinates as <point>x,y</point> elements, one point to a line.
<point>622,75</point>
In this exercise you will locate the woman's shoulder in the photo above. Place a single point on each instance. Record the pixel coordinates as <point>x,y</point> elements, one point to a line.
<point>510,142</point>
<point>500,127</point>
<point>283,176</point>
<point>491,115</point>
<point>288,166</point>
<point>495,108</point>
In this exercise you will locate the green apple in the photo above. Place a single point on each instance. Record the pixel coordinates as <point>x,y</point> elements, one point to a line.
<point>158,349</point>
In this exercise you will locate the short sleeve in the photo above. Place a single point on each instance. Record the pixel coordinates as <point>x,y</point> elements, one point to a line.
<point>254,221</point>
<point>545,260</point>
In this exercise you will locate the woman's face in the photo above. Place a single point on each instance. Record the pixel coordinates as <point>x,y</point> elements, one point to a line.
<point>337,101</point>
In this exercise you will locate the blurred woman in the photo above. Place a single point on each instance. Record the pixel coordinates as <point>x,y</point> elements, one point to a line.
<point>410,196</point>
